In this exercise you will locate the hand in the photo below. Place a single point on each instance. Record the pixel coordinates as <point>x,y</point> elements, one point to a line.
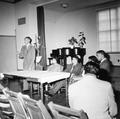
<point>1,76</point>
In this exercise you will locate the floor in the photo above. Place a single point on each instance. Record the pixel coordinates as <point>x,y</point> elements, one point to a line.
<point>60,98</point>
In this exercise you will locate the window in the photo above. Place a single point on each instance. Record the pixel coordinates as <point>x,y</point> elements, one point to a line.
<point>109,29</point>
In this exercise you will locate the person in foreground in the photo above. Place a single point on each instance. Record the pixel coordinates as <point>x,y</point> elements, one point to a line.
<point>94,96</point>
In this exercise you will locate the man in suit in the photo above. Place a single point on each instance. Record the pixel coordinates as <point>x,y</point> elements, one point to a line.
<point>105,65</point>
<point>27,53</point>
<point>92,95</point>
<point>75,66</point>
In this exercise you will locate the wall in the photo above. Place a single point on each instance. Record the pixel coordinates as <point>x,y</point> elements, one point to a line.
<point>7,54</point>
<point>7,38</point>
<point>59,26</point>
<point>24,9</point>
<point>62,26</point>
<point>7,19</point>
<point>27,10</point>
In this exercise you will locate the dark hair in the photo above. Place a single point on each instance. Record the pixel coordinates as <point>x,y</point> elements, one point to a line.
<point>92,68</point>
<point>29,38</point>
<point>101,52</point>
<point>93,58</point>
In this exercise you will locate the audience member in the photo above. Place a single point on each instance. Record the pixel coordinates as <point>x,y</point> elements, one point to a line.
<point>105,65</point>
<point>1,78</point>
<point>94,96</point>
<point>74,67</point>
<point>55,66</point>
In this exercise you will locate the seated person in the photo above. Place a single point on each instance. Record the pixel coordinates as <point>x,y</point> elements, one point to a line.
<point>94,96</point>
<point>55,66</point>
<point>74,66</point>
<point>1,78</point>
<point>105,65</point>
<point>75,69</point>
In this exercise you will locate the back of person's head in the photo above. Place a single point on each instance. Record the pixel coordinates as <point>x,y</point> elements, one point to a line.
<point>91,68</point>
<point>93,58</point>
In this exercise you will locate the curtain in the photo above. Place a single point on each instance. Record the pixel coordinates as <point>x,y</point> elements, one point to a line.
<point>41,33</point>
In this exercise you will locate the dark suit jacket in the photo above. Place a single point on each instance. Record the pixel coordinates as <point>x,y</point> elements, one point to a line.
<point>105,69</point>
<point>105,65</point>
<point>77,69</point>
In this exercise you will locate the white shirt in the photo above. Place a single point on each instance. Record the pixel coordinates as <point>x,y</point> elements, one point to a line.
<point>94,96</point>
<point>102,60</point>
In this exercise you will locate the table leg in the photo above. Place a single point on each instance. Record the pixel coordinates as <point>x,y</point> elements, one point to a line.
<point>41,90</point>
<point>31,89</point>
<point>66,86</point>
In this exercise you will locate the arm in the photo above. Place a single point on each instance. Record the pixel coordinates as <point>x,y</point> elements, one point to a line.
<point>70,95</point>
<point>106,66</point>
<point>22,52</point>
<point>77,70</point>
<point>112,103</point>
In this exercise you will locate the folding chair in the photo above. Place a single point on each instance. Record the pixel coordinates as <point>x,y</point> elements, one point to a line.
<point>36,109</point>
<point>62,112</point>
<point>17,107</point>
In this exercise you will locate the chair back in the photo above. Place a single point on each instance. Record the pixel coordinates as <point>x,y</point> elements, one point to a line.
<point>17,107</point>
<point>37,109</point>
<point>62,112</point>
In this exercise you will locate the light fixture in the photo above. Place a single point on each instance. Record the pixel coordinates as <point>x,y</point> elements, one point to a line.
<point>64,5</point>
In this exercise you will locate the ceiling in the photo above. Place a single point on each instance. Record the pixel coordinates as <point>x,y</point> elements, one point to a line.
<point>64,5</point>
<point>10,1</point>
<point>70,5</point>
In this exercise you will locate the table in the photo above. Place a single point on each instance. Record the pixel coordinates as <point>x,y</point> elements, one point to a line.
<point>40,77</point>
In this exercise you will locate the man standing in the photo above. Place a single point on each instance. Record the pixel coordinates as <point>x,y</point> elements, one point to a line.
<point>27,53</point>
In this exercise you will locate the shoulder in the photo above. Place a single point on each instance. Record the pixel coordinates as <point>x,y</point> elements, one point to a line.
<point>24,46</point>
<point>76,84</point>
<point>105,84</point>
<point>32,47</point>
<point>79,65</point>
<point>106,62</point>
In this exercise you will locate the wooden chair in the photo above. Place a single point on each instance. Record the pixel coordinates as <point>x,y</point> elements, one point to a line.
<point>5,108</point>
<point>26,108</point>
<point>62,112</point>
<point>17,107</point>
<point>36,109</point>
